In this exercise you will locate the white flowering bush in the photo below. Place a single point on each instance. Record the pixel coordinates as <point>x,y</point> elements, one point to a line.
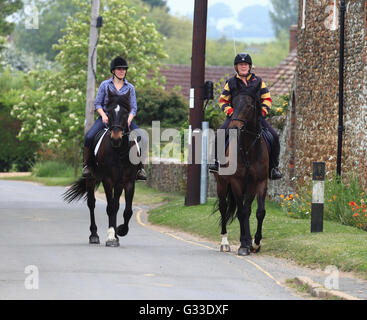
<point>54,113</point>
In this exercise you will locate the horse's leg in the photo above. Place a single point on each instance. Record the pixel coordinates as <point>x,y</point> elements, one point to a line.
<point>123,229</point>
<point>91,201</point>
<point>260,215</point>
<point>112,240</point>
<point>222,194</point>
<point>244,212</point>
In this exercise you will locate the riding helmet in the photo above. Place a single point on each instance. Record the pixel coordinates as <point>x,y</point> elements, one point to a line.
<point>243,57</point>
<point>118,62</point>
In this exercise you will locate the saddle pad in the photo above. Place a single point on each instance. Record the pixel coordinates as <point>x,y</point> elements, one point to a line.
<point>99,142</point>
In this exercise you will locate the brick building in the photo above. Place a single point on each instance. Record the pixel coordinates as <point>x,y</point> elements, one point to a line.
<point>311,132</point>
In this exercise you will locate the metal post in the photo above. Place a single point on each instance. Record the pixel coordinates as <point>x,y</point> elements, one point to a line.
<point>197,90</point>
<point>204,161</point>
<point>341,89</point>
<point>92,63</point>
<point>318,186</point>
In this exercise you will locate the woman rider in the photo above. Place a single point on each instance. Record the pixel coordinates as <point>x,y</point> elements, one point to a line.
<point>246,81</point>
<point>118,85</point>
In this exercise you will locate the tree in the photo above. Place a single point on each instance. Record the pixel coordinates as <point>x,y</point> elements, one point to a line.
<point>54,114</point>
<point>157,3</point>
<point>8,7</point>
<point>284,14</point>
<point>53,16</point>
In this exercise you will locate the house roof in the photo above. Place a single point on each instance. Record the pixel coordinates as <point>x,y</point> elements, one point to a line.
<point>278,79</point>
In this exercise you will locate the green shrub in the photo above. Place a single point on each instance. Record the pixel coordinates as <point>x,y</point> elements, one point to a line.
<point>155,104</point>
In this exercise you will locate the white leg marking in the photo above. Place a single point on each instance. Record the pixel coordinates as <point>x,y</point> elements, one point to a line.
<point>225,240</point>
<point>111,234</point>
<point>254,245</point>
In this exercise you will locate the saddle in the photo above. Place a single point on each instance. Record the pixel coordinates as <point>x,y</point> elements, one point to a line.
<point>268,137</point>
<point>98,139</point>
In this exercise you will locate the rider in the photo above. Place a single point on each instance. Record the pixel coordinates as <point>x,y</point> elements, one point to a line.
<point>245,81</point>
<point>118,85</point>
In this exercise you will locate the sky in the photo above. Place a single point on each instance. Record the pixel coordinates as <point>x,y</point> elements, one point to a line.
<point>186,7</point>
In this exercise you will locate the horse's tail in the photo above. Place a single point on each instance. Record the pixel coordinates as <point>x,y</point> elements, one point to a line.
<point>231,205</point>
<point>77,191</point>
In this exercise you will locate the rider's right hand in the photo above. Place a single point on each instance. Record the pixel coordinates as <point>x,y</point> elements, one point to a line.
<point>105,119</point>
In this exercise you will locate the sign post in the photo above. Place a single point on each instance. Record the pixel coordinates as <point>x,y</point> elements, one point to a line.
<point>318,186</point>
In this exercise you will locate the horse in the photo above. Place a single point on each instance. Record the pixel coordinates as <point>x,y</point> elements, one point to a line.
<point>236,192</point>
<point>113,168</point>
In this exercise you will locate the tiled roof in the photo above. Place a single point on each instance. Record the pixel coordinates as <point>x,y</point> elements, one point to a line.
<point>285,74</point>
<point>278,79</point>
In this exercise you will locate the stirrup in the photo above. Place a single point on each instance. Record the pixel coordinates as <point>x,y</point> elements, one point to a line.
<point>214,167</point>
<point>141,175</point>
<point>87,172</point>
<point>275,174</point>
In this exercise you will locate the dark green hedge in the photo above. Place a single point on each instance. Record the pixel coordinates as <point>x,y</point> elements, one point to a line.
<point>170,108</point>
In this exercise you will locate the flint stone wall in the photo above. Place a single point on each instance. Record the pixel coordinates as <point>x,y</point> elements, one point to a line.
<point>317,89</point>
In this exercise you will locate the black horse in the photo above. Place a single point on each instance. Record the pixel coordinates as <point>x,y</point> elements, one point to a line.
<point>236,192</point>
<point>113,168</point>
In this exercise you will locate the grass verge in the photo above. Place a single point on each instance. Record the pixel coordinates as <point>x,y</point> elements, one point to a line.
<point>339,245</point>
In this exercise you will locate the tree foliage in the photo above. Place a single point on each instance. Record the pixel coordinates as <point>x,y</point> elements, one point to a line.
<point>156,3</point>
<point>8,7</point>
<point>284,14</point>
<point>52,18</point>
<point>54,113</point>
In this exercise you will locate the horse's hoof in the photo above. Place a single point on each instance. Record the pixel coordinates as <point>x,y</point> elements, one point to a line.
<point>112,243</point>
<point>255,248</point>
<point>244,251</point>
<point>225,248</point>
<point>94,240</point>
<point>122,230</point>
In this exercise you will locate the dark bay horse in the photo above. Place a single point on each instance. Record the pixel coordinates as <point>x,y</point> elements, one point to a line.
<point>236,192</point>
<point>114,169</point>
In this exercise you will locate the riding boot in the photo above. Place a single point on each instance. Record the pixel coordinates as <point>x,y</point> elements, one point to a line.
<point>141,175</point>
<point>274,173</point>
<point>214,167</point>
<point>87,160</point>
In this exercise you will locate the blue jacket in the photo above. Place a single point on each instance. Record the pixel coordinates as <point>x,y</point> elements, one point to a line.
<point>101,99</point>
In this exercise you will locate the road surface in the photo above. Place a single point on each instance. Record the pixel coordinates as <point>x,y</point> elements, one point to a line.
<point>45,254</point>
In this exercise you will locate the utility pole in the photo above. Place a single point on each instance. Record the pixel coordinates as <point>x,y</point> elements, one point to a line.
<point>92,64</point>
<point>197,93</point>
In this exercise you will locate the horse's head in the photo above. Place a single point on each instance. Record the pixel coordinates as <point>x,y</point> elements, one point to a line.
<point>246,113</point>
<point>118,108</point>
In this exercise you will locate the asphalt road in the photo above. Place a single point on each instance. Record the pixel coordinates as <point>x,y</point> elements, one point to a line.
<point>45,254</point>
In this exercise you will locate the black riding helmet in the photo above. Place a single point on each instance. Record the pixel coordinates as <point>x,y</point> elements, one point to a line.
<point>243,57</point>
<point>118,62</point>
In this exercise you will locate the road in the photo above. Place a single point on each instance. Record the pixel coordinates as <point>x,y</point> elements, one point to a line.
<point>45,254</point>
